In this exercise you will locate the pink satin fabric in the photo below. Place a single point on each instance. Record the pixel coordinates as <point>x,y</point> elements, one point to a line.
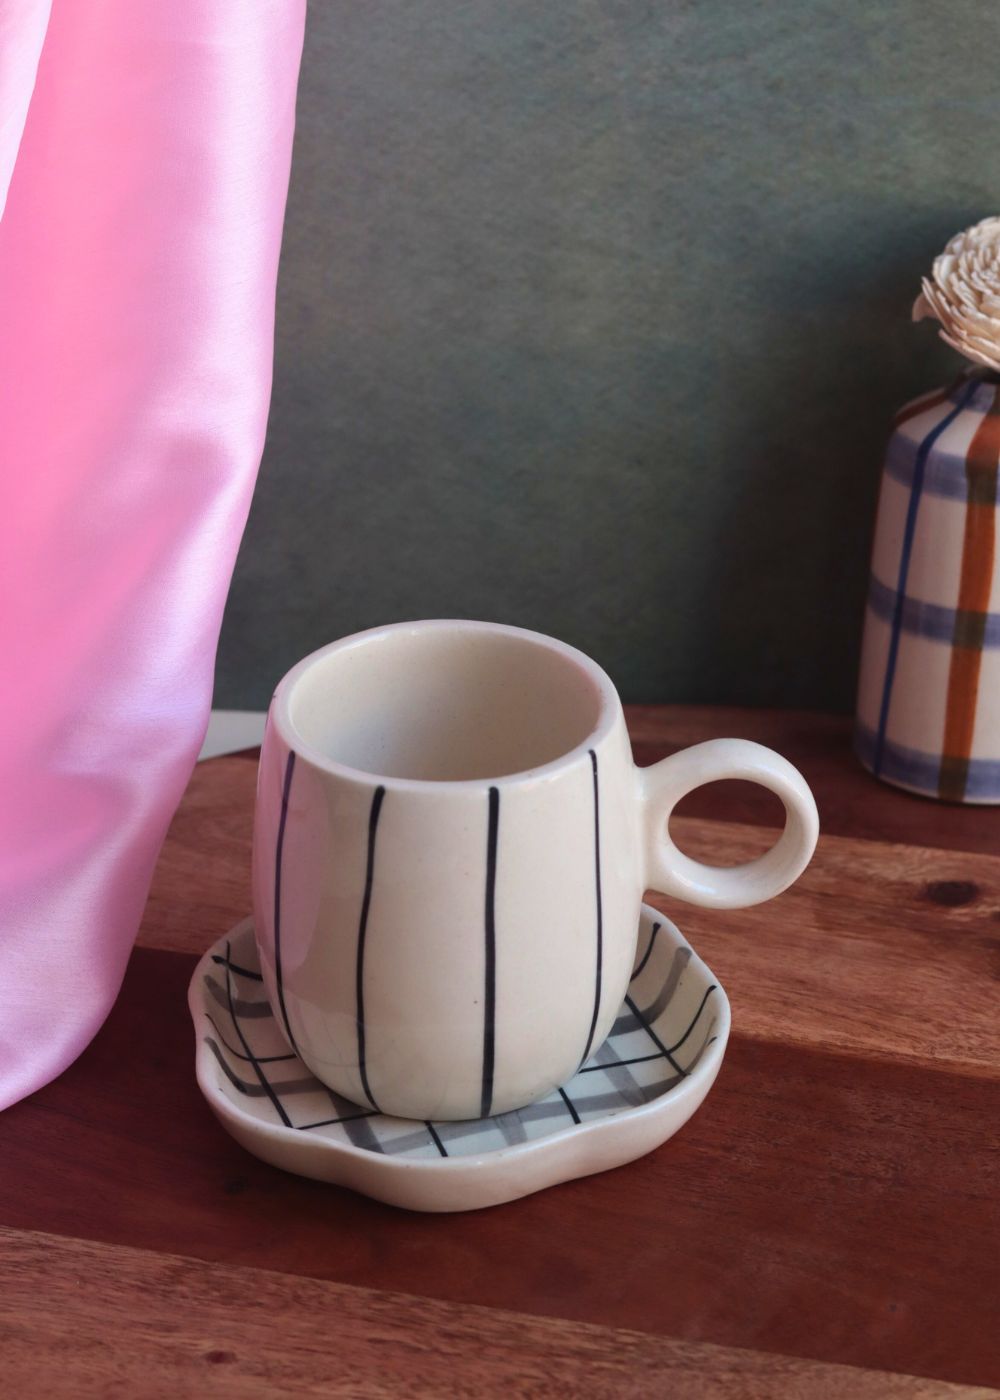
<point>148,164</point>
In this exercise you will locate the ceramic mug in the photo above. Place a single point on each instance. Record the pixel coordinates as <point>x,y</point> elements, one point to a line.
<point>451,846</point>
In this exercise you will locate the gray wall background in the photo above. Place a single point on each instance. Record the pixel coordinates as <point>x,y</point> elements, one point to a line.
<point>591,318</point>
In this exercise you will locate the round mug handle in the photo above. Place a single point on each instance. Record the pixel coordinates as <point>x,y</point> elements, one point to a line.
<point>669,871</point>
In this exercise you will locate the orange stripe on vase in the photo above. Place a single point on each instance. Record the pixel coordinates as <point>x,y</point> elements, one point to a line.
<point>975,586</point>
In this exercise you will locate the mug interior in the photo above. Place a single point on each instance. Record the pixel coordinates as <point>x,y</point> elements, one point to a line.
<point>444,702</point>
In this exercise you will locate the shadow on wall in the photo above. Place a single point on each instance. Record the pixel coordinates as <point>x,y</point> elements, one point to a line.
<point>809,419</point>
<point>592,318</point>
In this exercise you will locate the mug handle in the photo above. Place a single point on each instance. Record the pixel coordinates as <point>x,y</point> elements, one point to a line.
<point>669,871</point>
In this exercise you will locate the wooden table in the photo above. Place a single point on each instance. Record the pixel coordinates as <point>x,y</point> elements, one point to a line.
<point>834,1204</point>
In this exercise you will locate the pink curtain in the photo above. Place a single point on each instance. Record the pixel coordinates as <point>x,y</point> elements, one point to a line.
<point>146,146</point>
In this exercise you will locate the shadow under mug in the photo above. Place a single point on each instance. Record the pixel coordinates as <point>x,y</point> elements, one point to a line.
<point>451,846</point>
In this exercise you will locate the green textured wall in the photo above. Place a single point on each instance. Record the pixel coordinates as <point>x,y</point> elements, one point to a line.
<point>591,319</point>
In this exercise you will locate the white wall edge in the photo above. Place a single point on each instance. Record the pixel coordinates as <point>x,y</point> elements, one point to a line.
<point>232,730</point>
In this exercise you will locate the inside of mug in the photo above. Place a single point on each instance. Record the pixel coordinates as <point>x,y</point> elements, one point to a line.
<point>445,704</point>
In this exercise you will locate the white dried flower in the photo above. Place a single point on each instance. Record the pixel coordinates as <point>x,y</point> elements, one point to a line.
<point>963,293</point>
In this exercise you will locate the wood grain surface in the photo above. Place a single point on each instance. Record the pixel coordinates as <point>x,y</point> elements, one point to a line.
<point>202,1330</point>
<point>834,1203</point>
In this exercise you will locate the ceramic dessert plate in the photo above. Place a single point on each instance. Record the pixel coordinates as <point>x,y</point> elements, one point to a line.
<point>642,1085</point>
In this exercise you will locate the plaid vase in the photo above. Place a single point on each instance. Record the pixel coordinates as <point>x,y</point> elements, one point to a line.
<point>928,712</point>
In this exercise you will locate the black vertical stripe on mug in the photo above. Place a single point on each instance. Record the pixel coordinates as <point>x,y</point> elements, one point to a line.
<point>490,991</point>
<point>373,815</point>
<point>278,850</point>
<point>599,959</point>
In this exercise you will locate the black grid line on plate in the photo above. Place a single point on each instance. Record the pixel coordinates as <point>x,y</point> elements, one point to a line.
<point>336,1122</point>
<point>254,1063</point>
<point>569,1104</point>
<point>634,1060</point>
<point>284,1088</point>
<point>617,1072</point>
<point>270,1090</point>
<point>652,1035</point>
<point>656,1008</point>
<point>235,967</point>
<point>354,1120</point>
<point>605,1085</point>
<point>671,1049</point>
<point>436,1139</point>
<point>348,1113</point>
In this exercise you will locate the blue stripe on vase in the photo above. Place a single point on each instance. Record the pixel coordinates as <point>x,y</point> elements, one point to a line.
<point>930,619</point>
<point>944,476</point>
<point>922,770</point>
<point>981,383</point>
<point>919,468</point>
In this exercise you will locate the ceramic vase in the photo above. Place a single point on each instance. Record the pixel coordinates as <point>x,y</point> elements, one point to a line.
<point>928,711</point>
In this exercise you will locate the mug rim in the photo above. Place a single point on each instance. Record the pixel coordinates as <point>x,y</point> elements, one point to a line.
<point>280,717</point>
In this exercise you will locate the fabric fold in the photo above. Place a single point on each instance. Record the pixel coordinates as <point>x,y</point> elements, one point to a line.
<point>138,260</point>
<point>22,30</point>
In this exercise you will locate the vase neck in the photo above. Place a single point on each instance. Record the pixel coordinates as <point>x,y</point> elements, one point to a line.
<point>984,384</point>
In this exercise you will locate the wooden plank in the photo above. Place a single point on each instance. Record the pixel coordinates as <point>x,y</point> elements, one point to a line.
<point>82,1319</point>
<point>851,802</point>
<point>889,950</point>
<point>202,881</point>
<point>818,1205</point>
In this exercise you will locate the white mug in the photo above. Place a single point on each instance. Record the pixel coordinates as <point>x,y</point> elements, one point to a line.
<point>451,846</point>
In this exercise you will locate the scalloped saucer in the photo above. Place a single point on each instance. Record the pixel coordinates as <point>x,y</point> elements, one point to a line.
<point>636,1090</point>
